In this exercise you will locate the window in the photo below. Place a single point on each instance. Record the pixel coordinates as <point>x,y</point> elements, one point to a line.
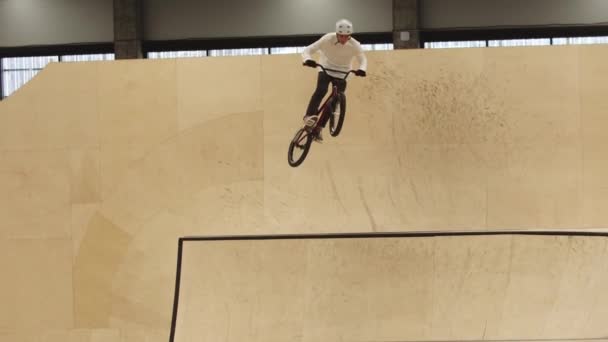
<point>520,42</point>
<point>457,44</point>
<point>16,71</point>
<point>177,54</point>
<point>239,52</point>
<point>88,58</point>
<point>580,40</point>
<point>377,47</point>
<point>286,50</point>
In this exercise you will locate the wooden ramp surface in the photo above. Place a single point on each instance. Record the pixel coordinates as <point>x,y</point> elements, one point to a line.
<point>105,165</point>
<point>394,288</point>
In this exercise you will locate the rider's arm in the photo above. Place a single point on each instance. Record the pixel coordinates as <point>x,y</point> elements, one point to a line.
<point>362,59</point>
<point>313,48</point>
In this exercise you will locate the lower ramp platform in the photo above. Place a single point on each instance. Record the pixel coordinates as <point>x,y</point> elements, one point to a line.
<point>508,286</point>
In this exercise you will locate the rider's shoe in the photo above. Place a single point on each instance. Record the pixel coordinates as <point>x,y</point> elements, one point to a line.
<point>310,120</point>
<point>319,137</point>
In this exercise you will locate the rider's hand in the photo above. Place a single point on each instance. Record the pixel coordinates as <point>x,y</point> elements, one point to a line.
<point>360,73</point>
<point>310,63</point>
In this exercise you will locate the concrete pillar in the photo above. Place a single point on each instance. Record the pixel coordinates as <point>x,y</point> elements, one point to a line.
<point>406,33</point>
<point>128,29</point>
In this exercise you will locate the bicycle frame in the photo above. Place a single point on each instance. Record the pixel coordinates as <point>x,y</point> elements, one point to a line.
<point>305,135</point>
<point>334,92</point>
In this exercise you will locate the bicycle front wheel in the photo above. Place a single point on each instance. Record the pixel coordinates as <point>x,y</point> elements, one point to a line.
<point>299,147</point>
<point>336,119</point>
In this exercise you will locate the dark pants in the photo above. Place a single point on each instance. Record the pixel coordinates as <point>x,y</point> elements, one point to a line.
<point>323,82</point>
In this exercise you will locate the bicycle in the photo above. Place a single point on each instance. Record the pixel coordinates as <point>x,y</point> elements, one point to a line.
<point>336,102</point>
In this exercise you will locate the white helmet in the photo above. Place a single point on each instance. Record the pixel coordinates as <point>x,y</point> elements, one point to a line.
<point>344,26</point>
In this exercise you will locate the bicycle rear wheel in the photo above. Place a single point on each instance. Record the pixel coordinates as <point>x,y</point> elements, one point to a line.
<point>336,119</point>
<point>299,147</point>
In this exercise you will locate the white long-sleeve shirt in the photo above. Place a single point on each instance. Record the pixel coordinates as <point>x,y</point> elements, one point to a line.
<point>335,55</point>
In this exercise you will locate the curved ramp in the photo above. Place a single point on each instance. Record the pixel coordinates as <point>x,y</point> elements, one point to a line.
<point>104,165</point>
<point>393,287</point>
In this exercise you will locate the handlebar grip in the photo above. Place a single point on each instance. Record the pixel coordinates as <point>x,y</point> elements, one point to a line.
<point>310,63</point>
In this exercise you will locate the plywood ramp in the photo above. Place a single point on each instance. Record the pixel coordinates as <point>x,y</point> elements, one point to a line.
<point>398,288</point>
<point>104,165</point>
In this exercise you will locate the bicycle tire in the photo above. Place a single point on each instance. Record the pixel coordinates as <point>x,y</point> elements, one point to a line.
<point>335,124</point>
<point>302,140</point>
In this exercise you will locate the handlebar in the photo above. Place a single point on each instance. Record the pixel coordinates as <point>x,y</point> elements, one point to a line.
<point>325,70</point>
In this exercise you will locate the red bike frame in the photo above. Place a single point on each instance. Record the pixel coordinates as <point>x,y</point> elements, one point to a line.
<point>334,92</point>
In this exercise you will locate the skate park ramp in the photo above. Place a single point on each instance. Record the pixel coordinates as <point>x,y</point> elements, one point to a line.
<point>393,287</point>
<point>105,165</point>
